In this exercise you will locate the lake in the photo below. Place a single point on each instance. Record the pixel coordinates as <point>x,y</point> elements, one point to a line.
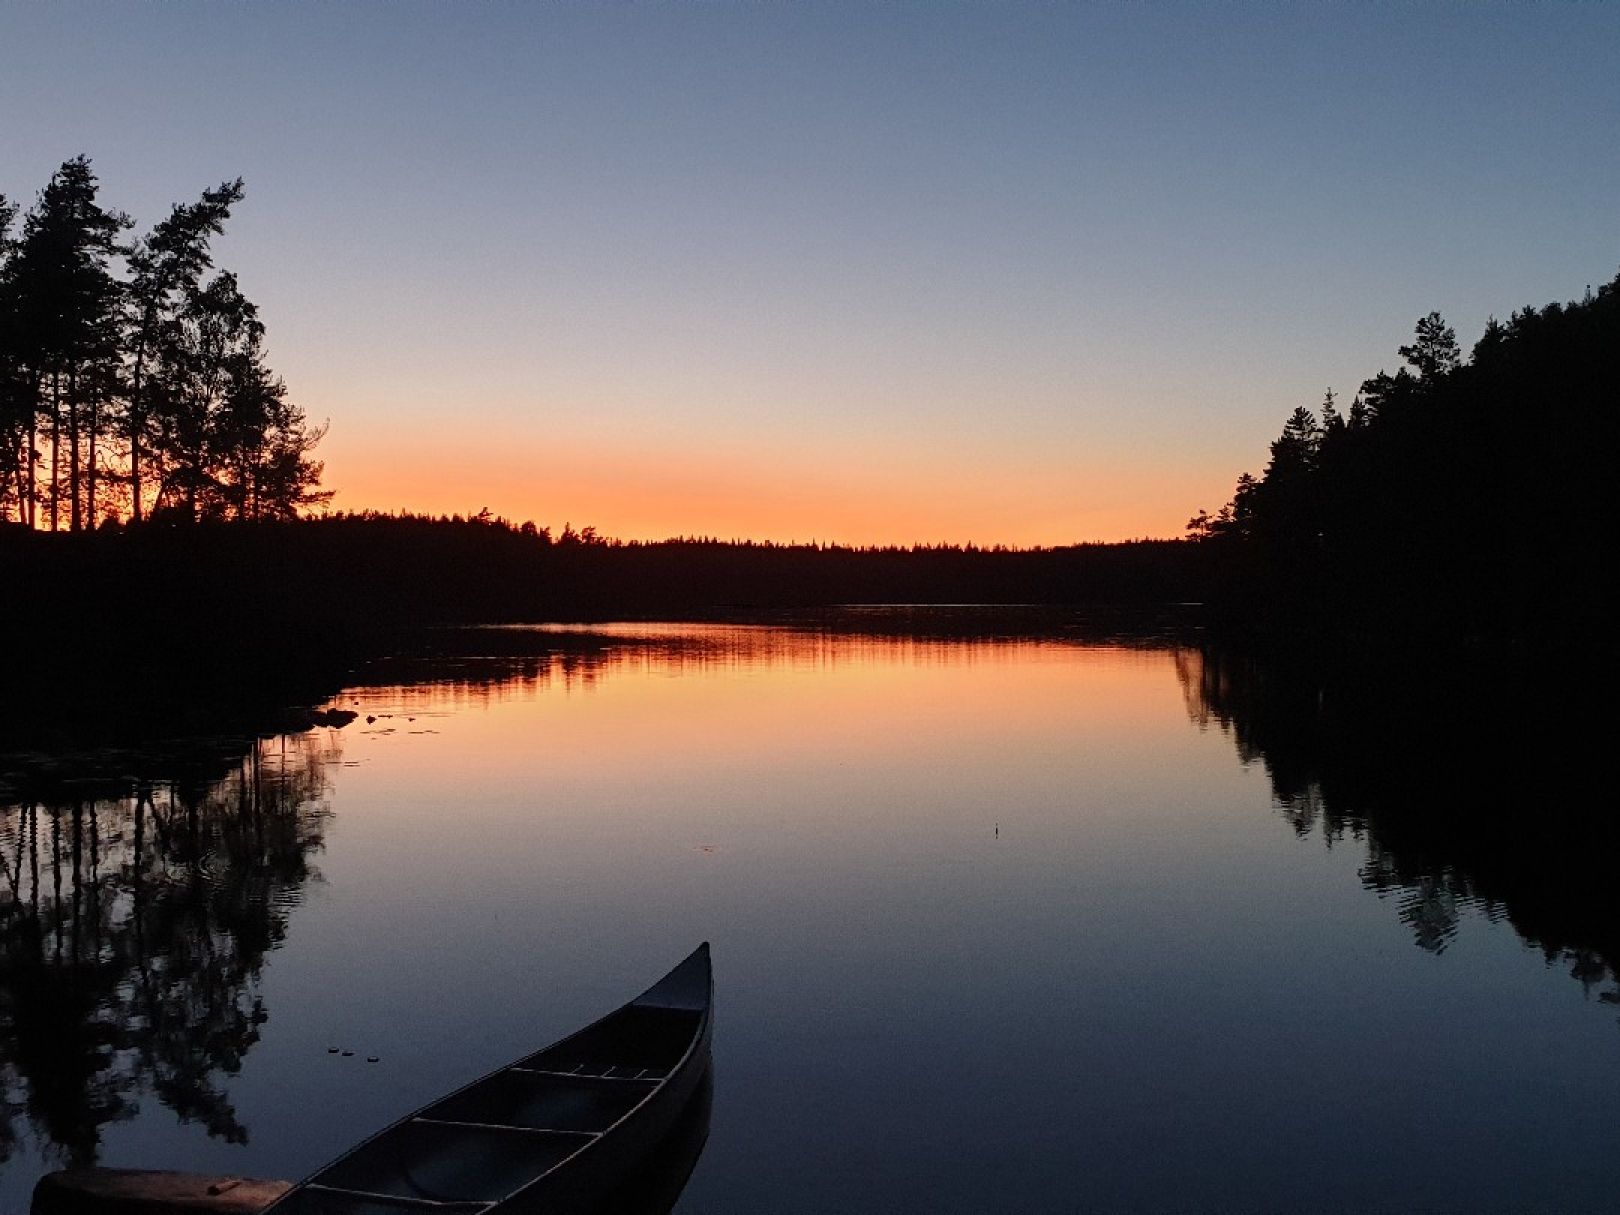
<point>1032,918</point>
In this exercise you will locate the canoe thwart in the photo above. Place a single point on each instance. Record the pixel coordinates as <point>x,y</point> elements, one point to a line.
<point>542,1101</point>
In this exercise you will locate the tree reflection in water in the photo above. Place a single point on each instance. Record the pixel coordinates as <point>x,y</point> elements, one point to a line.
<point>1472,787</point>
<point>136,909</point>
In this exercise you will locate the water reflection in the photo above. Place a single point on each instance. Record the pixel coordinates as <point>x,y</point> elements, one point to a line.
<point>1461,782</point>
<point>861,812</point>
<point>461,667</point>
<point>139,895</point>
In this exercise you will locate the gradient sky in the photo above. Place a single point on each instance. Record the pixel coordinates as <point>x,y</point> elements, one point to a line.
<point>867,272</point>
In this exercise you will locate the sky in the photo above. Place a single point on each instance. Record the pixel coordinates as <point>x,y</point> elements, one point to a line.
<point>889,272</point>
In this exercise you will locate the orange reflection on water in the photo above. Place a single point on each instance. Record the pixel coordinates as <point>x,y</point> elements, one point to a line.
<point>622,718</point>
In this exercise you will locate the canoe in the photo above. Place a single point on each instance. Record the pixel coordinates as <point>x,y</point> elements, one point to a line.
<point>654,1190</point>
<point>558,1132</point>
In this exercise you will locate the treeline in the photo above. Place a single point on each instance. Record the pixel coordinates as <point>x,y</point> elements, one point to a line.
<point>133,380</point>
<point>1457,494</point>
<point>569,535</point>
<point>352,570</point>
<point>419,568</point>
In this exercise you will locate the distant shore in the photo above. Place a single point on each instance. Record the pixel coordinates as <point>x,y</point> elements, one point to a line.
<point>163,623</point>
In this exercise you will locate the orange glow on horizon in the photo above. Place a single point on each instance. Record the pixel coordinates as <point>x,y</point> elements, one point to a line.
<point>634,494</point>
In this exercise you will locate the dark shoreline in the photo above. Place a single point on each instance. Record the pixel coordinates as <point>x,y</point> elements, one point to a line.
<point>163,631</point>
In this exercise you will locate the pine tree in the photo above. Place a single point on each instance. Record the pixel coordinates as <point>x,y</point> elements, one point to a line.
<point>227,441</point>
<point>66,310</point>
<point>165,271</point>
<point>1434,351</point>
<point>16,402</point>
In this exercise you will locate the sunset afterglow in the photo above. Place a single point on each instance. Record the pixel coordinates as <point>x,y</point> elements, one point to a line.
<point>1028,274</point>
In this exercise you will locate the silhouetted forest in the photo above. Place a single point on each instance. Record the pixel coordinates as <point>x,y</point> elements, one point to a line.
<point>1464,496</point>
<point>1456,499</point>
<point>358,571</point>
<point>133,381</point>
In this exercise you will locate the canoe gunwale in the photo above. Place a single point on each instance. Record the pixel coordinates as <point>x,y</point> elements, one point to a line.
<point>607,1082</point>
<point>506,1128</point>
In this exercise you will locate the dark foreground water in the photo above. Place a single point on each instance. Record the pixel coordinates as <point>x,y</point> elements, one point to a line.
<point>1001,923</point>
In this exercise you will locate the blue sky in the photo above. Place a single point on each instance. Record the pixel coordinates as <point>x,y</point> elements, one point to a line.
<point>883,272</point>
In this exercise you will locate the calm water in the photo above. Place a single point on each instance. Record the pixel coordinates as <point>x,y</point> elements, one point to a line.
<point>999,924</point>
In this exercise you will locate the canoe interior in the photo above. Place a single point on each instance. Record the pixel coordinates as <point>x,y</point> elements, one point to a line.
<point>452,1163</point>
<point>543,1102</point>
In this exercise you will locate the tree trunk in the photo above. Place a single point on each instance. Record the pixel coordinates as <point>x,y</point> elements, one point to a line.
<point>75,513</point>
<point>90,465</point>
<point>137,421</point>
<point>56,443</point>
<point>32,457</point>
<point>20,477</point>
